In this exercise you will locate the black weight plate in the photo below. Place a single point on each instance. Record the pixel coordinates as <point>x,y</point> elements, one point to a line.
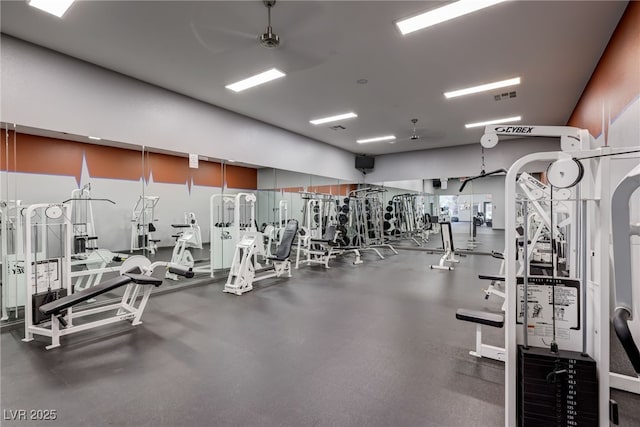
<point>388,216</point>
<point>316,218</point>
<point>316,208</point>
<point>391,204</point>
<point>387,225</point>
<point>346,200</point>
<point>390,209</point>
<point>342,219</point>
<point>345,241</point>
<point>345,208</point>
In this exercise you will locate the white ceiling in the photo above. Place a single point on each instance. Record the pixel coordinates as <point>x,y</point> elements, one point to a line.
<point>196,48</point>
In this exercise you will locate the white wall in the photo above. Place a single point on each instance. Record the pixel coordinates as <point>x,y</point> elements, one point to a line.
<point>269,178</point>
<point>455,161</point>
<point>47,90</point>
<point>413,185</point>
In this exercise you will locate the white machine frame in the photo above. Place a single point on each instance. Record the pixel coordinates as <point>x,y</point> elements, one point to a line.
<point>129,308</point>
<point>142,215</point>
<point>595,188</point>
<point>449,255</point>
<point>189,236</point>
<point>224,239</point>
<point>245,269</point>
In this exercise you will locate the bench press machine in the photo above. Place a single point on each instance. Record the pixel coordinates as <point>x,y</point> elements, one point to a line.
<point>245,269</point>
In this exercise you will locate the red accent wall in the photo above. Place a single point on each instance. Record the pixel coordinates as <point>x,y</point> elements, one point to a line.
<point>615,83</point>
<point>53,156</point>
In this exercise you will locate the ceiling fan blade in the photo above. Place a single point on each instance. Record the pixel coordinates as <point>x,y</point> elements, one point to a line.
<point>219,40</point>
<point>294,59</point>
<point>423,135</point>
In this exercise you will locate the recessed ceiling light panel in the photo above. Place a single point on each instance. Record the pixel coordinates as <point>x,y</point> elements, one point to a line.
<point>494,122</point>
<point>256,80</point>
<point>377,139</point>
<point>482,88</point>
<point>442,14</point>
<point>349,115</point>
<point>96,138</point>
<point>54,7</point>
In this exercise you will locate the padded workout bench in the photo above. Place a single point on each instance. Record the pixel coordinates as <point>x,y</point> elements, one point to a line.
<point>130,307</point>
<point>483,318</point>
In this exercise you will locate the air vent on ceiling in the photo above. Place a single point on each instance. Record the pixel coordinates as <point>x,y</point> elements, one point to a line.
<point>505,95</point>
<point>337,127</point>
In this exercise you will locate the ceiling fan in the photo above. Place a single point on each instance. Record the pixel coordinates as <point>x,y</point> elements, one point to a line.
<point>293,49</point>
<point>417,134</point>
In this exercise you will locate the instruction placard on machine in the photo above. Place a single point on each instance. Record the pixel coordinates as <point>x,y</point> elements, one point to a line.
<point>541,307</point>
<point>45,275</point>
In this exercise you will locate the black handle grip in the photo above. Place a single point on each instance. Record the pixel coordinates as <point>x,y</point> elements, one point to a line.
<point>619,321</point>
<point>181,271</point>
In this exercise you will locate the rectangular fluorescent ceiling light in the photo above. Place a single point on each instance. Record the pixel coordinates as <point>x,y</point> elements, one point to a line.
<point>494,122</point>
<point>377,139</point>
<point>483,88</point>
<point>442,14</point>
<point>97,138</point>
<point>344,116</point>
<point>256,80</point>
<point>54,7</point>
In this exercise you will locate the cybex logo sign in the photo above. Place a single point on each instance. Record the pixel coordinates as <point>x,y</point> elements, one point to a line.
<point>514,129</point>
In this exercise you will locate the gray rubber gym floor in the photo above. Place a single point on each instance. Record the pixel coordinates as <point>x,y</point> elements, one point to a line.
<point>370,345</point>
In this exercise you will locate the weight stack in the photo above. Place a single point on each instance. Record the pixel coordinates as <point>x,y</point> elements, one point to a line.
<point>566,399</point>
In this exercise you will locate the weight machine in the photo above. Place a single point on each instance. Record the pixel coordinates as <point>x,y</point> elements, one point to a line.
<point>12,218</point>
<point>231,216</point>
<point>449,255</point>
<point>567,338</point>
<point>406,219</point>
<point>50,293</point>
<point>245,268</point>
<point>366,220</point>
<point>84,231</point>
<point>142,224</point>
<point>188,236</point>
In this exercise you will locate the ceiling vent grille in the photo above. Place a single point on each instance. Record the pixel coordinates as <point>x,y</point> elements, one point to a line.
<point>337,127</point>
<point>505,95</point>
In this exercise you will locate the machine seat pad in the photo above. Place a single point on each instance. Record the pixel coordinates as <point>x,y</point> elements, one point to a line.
<point>141,279</point>
<point>181,225</point>
<point>55,307</point>
<point>490,277</point>
<point>482,317</point>
<point>284,248</point>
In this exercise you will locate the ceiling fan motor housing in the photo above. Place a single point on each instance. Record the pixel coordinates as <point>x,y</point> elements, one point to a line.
<point>269,39</point>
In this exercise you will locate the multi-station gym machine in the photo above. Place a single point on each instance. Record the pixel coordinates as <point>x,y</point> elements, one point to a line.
<point>557,326</point>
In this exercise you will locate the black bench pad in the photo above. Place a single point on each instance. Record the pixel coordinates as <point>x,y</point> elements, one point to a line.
<point>55,307</point>
<point>482,317</point>
<point>492,278</point>
<point>141,279</point>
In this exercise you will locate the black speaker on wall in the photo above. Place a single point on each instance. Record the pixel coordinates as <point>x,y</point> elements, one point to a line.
<point>437,183</point>
<point>364,163</point>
